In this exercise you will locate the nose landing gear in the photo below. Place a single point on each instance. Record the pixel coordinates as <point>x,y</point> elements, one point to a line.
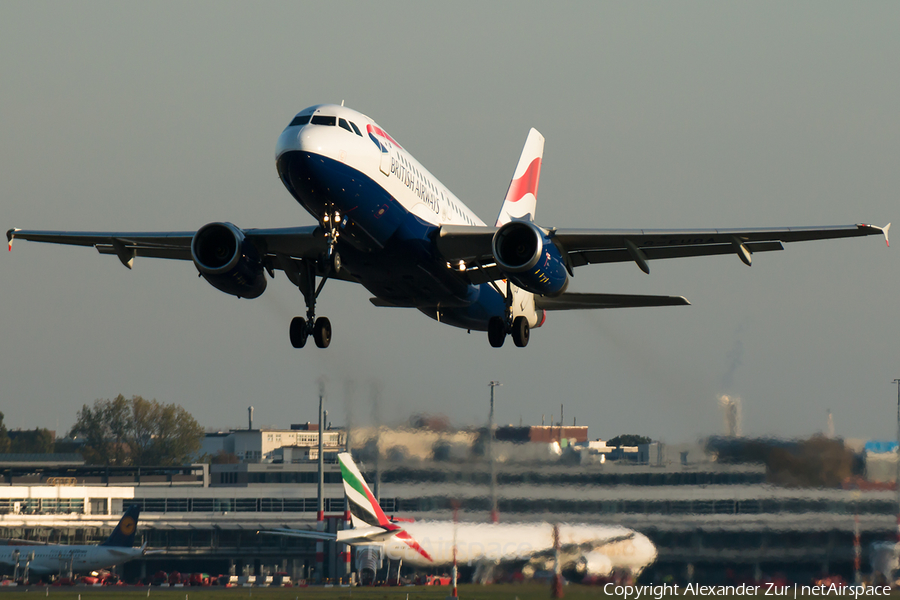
<point>304,277</point>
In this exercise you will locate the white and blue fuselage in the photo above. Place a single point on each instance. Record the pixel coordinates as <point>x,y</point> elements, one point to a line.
<point>335,159</point>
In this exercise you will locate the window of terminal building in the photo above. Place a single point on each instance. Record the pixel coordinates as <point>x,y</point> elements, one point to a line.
<point>176,505</point>
<point>245,505</point>
<point>334,504</point>
<point>202,505</point>
<point>98,506</point>
<point>271,505</point>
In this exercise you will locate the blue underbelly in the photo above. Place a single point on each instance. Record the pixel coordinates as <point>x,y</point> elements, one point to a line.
<point>390,251</point>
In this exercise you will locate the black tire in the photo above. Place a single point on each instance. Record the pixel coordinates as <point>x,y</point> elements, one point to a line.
<point>298,332</point>
<point>336,263</point>
<point>521,332</point>
<point>322,332</point>
<point>496,332</point>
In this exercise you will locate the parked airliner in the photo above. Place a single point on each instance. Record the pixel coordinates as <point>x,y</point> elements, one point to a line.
<point>386,222</point>
<point>584,550</point>
<point>48,559</point>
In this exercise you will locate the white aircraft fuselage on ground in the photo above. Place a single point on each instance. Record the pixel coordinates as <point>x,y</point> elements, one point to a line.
<point>588,550</point>
<point>49,559</point>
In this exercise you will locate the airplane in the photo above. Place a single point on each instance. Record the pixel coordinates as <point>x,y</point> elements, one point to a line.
<point>48,559</point>
<point>585,550</point>
<point>384,221</point>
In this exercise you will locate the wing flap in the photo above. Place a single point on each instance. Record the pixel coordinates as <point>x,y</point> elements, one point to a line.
<point>575,301</point>
<point>464,242</point>
<point>590,257</point>
<point>149,252</point>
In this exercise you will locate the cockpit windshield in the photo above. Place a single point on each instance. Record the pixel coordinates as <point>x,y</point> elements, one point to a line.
<point>324,120</point>
<point>301,120</point>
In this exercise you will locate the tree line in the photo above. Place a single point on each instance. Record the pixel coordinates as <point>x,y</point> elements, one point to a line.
<point>118,432</point>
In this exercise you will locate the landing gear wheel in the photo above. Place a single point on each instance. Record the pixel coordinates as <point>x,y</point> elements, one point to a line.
<point>322,332</point>
<point>298,332</point>
<point>336,263</point>
<point>496,332</point>
<point>521,332</point>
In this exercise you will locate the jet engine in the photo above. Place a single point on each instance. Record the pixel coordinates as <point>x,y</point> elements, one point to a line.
<point>528,258</point>
<point>369,560</point>
<point>594,564</point>
<point>228,261</point>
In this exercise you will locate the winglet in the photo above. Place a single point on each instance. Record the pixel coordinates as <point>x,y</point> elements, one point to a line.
<point>884,230</point>
<point>10,235</point>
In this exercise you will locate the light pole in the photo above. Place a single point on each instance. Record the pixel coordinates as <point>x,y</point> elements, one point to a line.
<point>495,516</point>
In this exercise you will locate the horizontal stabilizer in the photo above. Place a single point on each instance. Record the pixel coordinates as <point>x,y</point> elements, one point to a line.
<point>366,535</point>
<point>574,301</point>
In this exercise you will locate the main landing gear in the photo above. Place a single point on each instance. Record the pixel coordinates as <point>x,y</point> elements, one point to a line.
<point>305,279</point>
<point>499,327</point>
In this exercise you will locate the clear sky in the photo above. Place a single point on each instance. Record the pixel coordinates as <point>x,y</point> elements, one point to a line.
<point>164,116</point>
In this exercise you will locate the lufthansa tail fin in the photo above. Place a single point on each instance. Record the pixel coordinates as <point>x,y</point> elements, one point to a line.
<point>123,535</point>
<point>521,197</point>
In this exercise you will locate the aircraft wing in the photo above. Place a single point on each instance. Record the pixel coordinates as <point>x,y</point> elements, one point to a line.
<point>280,246</point>
<point>590,246</point>
<point>575,301</point>
<point>301,533</point>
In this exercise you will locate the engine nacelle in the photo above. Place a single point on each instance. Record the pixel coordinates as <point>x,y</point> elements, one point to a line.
<point>528,258</point>
<point>595,563</point>
<point>228,261</point>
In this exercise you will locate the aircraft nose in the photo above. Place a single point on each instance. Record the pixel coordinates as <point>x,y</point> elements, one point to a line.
<point>645,548</point>
<point>291,139</point>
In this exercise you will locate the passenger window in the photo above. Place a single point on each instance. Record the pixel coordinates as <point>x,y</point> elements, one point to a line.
<point>301,120</point>
<point>343,124</point>
<point>323,120</point>
<point>355,128</point>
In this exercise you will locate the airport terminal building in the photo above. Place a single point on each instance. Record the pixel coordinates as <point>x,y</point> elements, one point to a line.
<point>704,517</point>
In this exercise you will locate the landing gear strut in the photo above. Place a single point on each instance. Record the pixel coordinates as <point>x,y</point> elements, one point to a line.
<point>518,328</point>
<point>305,278</point>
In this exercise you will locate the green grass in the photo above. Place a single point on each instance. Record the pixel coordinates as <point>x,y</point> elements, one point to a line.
<point>531,591</point>
<point>466,592</point>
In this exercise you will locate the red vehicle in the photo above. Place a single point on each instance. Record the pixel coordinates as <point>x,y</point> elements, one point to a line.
<point>199,579</point>
<point>433,580</point>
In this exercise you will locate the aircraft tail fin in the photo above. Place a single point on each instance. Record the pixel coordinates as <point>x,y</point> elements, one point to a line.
<point>370,524</point>
<point>364,508</point>
<point>521,197</point>
<point>123,534</point>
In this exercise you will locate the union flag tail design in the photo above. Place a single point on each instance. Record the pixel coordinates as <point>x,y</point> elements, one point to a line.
<point>521,197</point>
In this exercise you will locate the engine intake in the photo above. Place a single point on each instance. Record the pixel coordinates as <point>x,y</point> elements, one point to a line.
<point>228,261</point>
<point>528,258</point>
